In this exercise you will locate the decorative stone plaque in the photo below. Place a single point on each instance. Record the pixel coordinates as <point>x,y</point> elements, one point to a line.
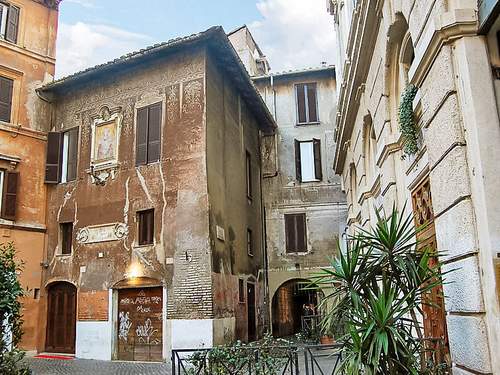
<point>102,233</point>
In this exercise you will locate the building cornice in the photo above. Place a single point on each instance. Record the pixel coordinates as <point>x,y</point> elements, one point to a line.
<point>450,26</point>
<point>446,28</point>
<point>361,41</point>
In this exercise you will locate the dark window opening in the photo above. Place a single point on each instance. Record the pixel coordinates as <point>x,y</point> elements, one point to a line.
<point>148,134</point>
<point>249,242</point>
<point>146,227</point>
<point>248,167</point>
<point>66,238</point>
<point>295,233</point>
<point>241,291</point>
<point>307,105</point>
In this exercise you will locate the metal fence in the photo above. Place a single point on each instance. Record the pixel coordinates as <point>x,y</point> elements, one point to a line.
<point>283,360</point>
<point>286,360</point>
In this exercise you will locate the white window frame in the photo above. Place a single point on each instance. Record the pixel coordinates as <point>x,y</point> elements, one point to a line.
<point>307,167</point>
<point>3,19</point>
<point>64,162</point>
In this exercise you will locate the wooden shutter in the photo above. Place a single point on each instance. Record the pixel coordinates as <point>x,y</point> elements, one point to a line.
<point>298,165</point>
<point>11,180</point>
<point>154,133</point>
<point>311,102</point>
<point>317,159</point>
<point>72,154</point>
<point>300,223</point>
<point>141,143</point>
<point>6,86</point>
<point>301,104</point>
<point>12,24</point>
<point>52,165</point>
<point>295,233</point>
<point>291,243</point>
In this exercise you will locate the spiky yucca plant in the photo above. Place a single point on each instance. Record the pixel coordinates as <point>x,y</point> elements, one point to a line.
<point>379,285</point>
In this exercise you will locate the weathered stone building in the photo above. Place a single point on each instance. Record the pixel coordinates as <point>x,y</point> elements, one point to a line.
<point>27,57</point>
<point>305,209</point>
<point>155,237</point>
<point>447,50</point>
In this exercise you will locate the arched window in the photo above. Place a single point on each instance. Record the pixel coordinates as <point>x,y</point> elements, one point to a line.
<point>369,150</point>
<point>353,186</point>
<point>400,58</point>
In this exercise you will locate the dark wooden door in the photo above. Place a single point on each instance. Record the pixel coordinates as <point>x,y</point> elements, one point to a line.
<point>61,318</point>
<point>140,324</point>
<point>433,307</point>
<point>252,329</point>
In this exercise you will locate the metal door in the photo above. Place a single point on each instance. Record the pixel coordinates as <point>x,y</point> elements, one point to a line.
<point>140,324</point>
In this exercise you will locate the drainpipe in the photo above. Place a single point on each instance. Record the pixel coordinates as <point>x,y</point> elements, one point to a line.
<point>264,245</point>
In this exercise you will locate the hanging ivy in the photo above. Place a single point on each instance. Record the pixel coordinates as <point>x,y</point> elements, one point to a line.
<point>406,119</point>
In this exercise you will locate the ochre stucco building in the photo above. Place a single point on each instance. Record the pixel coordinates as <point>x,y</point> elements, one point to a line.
<point>27,59</point>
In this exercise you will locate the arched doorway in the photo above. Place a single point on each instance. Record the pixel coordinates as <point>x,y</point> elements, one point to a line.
<point>290,303</point>
<point>61,318</point>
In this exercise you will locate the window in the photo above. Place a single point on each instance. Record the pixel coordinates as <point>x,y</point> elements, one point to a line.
<point>8,194</point>
<point>62,155</point>
<point>249,242</point>
<point>66,238</point>
<point>146,220</point>
<point>6,86</point>
<point>9,22</point>
<point>148,134</point>
<point>295,233</point>
<point>308,160</point>
<point>248,167</point>
<point>241,291</point>
<point>307,107</point>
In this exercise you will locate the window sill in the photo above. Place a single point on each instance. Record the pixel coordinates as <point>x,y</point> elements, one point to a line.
<point>308,123</point>
<point>309,181</point>
<point>297,253</point>
<point>64,255</point>
<point>145,246</point>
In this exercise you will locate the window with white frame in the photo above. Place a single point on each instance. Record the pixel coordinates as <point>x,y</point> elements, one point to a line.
<point>9,22</point>
<point>308,160</point>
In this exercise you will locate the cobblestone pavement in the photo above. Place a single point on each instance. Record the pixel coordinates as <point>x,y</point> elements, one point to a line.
<point>90,367</point>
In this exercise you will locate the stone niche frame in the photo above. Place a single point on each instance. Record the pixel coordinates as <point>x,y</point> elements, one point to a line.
<point>103,167</point>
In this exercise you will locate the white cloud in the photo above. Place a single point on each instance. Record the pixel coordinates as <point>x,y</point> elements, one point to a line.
<point>295,33</point>
<point>83,3</point>
<point>82,45</point>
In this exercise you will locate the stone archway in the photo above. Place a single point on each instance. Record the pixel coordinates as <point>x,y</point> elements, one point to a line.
<point>290,303</point>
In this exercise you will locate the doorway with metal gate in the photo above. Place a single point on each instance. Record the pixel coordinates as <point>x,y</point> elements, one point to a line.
<point>291,303</point>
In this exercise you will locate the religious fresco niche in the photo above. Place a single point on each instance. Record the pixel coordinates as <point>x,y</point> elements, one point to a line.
<point>106,129</point>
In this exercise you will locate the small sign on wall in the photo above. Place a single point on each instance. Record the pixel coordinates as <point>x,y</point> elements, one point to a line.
<point>221,235</point>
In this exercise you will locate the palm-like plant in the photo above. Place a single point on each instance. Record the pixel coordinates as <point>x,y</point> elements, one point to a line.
<point>379,286</point>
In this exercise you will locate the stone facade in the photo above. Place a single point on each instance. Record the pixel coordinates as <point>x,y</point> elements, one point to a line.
<point>197,188</point>
<point>27,60</point>
<point>322,201</point>
<point>436,46</point>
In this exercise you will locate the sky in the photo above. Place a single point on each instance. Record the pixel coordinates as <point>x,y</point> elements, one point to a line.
<point>293,34</point>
